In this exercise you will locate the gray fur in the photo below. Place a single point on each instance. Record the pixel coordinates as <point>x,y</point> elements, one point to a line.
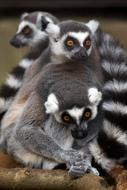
<point>38,42</point>
<point>49,56</point>
<point>34,136</point>
<point>37,133</point>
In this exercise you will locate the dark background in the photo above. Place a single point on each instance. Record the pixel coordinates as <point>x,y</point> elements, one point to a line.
<point>61,4</point>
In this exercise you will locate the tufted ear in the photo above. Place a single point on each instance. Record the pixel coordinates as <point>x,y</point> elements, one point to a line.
<point>52,29</point>
<point>94,95</point>
<point>93,25</point>
<point>23,16</point>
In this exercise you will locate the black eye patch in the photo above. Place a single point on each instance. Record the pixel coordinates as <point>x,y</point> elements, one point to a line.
<point>71,43</point>
<point>44,23</point>
<point>87,43</point>
<point>87,114</point>
<point>66,118</point>
<point>26,31</point>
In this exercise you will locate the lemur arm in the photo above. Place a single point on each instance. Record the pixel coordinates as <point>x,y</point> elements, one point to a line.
<point>29,131</point>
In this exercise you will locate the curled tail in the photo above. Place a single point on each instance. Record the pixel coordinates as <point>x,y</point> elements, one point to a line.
<point>110,147</point>
<point>9,89</point>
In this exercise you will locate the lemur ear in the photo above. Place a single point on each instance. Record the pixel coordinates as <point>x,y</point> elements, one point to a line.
<point>52,29</point>
<point>94,95</point>
<point>93,25</point>
<point>23,16</point>
<point>44,23</point>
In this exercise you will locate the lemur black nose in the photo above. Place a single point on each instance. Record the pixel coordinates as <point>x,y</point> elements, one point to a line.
<point>79,134</point>
<point>15,42</point>
<point>80,54</point>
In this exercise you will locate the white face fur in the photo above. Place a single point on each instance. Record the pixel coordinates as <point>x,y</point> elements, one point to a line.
<point>67,46</point>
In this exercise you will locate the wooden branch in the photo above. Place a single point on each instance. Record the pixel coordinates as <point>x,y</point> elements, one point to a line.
<point>25,178</point>
<point>6,161</point>
<point>14,176</point>
<point>119,173</point>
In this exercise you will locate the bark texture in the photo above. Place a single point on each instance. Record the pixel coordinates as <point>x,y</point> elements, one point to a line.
<point>14,176</point>
<point>25,178</point>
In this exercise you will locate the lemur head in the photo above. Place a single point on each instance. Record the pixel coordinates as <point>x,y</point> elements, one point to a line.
<point>71,39</point>
<point>77,117</point>
<point>30,31</point>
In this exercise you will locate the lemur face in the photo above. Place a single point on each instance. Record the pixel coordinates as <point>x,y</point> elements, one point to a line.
<point>71,39</point>
<point>77,44</point>
<point>75,119</point>
<point>30,31</point>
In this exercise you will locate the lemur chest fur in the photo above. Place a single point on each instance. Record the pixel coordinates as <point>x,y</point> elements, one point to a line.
<point>61,134</point>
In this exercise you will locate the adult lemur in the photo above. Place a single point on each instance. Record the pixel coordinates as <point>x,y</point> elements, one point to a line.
<point>52,112</point>
<point>110,148</point>
<point>30,33</point>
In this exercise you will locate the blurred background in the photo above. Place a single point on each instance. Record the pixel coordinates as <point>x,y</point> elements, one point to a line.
<point>112,15</point>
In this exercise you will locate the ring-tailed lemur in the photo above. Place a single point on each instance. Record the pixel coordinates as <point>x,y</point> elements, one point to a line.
<point>44,120</point>
<point>30,33</point>
<point>110,147</point>
<point>83,45</point>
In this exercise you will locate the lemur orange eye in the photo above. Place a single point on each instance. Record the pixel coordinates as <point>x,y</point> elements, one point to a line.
<point>27,30</point>
<point>87,113</point>
<point>66,118</point>
<point>70,43</point>
<point>87,43</point>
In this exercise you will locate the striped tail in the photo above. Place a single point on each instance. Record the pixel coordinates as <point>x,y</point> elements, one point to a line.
<point>12,84</point>
<point>110,147</point>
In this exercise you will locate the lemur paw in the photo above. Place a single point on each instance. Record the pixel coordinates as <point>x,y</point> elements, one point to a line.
<point>94,95</point>
<point>76,171</point>
<point>79,168</point>
<point>52,104</point>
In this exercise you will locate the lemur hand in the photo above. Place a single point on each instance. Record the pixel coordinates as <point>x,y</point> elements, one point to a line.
<point>78,169</point>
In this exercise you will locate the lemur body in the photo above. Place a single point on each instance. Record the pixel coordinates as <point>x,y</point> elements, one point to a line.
<point>30,33</point>
<point>33,129</point>
<point>45,126</point>
<point>110,147</point>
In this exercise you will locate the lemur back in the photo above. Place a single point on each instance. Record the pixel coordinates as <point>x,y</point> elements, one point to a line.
<point>30,33</point>
<point>110,147</point>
